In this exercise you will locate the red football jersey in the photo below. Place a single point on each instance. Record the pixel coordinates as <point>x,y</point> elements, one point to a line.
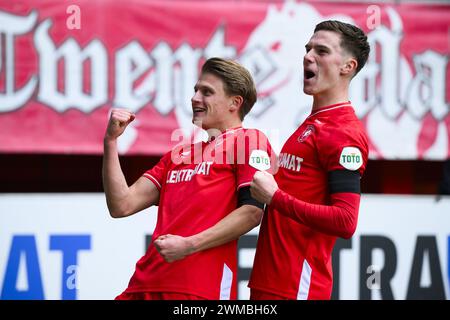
<point>198,187</point>
<point>292,259</point>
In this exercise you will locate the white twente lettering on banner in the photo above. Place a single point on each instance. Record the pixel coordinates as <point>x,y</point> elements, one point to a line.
<point>73,58</point>
<point>10,27</point>
<point>392,99</point>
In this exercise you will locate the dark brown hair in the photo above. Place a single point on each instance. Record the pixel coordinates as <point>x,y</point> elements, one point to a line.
<point>353,40</point>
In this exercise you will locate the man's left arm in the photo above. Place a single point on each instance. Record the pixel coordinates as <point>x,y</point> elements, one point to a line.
<point>231,227</point>
<point>255,148</point>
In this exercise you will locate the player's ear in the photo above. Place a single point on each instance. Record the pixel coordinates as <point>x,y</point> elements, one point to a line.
<point>236,103</point>
<point>349,66</point>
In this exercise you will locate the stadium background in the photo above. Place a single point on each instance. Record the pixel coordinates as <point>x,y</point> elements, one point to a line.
<point>57,240</point>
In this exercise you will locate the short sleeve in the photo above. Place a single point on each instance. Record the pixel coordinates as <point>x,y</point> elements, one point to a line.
<point>158,172</point>
<point>253,153</point>
<point>343,148</point>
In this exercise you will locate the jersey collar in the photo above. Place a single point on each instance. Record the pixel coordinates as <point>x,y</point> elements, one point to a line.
<point>331,107</point>
<point>223,134</point>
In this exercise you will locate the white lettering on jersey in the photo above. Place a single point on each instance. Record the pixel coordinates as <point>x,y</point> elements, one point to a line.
<point>351,158</point>
<point>175,176</point>
<point>290,162</point>
<point>259,159</point>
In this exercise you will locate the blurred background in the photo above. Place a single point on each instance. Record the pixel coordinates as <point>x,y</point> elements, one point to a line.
<point>65,64</point>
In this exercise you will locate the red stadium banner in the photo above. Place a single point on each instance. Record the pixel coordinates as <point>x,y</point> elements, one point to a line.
<point>63,66</point>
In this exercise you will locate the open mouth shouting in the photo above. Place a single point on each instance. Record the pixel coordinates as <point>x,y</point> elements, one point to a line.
<point>308,74</point>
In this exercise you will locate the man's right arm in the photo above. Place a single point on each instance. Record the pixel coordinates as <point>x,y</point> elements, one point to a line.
<point>121,199</point>
<point>339,218</point>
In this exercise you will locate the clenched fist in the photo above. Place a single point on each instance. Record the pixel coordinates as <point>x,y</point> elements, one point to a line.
<point>263,187</point>
<point>172,247</point>
<point>118,121</point>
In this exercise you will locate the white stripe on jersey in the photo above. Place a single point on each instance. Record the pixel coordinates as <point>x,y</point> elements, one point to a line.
<point>225,284</point>
<point>305,281</point>
<point>153,179</point>
<point>244,184</point>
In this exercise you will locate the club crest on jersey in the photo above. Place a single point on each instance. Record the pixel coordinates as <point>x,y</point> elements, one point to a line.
<point>309,129</point>
<point>351,158</point>
<point>259,159</point>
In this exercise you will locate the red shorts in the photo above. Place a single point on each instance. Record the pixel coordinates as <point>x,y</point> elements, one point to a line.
<point>157,296</point>
<point>262,295</point>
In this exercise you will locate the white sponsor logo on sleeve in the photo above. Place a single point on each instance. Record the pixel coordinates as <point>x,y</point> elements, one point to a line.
<point>259,159</point>
<point>351,158</point>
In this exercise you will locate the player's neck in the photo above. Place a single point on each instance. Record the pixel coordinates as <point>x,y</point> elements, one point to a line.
<point>223,127</point>
<point>326,99</point>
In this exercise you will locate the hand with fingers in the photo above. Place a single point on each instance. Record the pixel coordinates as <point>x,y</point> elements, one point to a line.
<point>172,247</point>
<point>263,187</point>
<point>118,121</point>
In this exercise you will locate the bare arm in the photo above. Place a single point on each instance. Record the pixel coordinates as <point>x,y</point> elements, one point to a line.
<point>237,223</point>
<point>122,200</point>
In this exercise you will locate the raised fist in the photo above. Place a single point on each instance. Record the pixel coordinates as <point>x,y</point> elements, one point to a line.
<point>118,121</point>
